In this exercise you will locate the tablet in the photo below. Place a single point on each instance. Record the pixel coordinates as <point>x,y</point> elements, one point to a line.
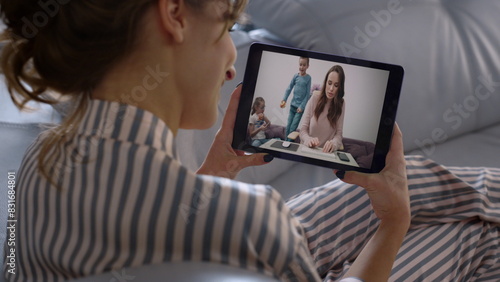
<point>317,108</point>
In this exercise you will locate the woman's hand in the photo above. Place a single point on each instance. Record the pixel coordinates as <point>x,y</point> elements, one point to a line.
<point>388,190</point>
<point>222,160</point>
<point>329,147</point>
<point>283,104</point>
<point>313,142</point>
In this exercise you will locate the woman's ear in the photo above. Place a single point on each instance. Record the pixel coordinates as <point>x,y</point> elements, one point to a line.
<point>172,17</point>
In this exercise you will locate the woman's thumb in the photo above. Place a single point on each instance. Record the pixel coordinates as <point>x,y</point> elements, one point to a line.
<point>256,160</point>
<point>354,177</point>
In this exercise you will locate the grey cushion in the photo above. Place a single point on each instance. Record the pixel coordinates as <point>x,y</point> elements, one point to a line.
<point>35,112</point>
<point>478,148</point>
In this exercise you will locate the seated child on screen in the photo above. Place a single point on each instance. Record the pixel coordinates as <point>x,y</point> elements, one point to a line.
<point>258,122</point>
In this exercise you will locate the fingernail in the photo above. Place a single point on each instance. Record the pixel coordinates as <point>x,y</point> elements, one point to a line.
<point>239,84</point>
<point>340,174</point>
<point>268,158</point>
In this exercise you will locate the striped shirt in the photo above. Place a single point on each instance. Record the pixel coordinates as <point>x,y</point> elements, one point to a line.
<point>126,201</point>
<point>454,233</point>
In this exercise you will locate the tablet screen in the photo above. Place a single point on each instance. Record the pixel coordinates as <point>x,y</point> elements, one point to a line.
<point>317,108</point>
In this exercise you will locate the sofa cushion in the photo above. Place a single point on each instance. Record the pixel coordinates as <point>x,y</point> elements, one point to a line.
<point>478,148</point>
<point>35,112</point>
<point>449,50</point>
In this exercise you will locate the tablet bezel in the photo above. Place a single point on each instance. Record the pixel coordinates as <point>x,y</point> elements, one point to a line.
<point>387,120</point>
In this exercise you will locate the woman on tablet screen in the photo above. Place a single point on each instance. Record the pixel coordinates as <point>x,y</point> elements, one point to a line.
<point>104,190</point>
<point>323,119</point>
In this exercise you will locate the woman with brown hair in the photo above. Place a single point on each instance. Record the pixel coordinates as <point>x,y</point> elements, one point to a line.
<point>323,119</point>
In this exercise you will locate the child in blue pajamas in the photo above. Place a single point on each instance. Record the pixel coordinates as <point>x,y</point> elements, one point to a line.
<point>301,84</point>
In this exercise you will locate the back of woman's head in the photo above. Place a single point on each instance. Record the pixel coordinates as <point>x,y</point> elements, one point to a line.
<point>68,46</point>
<point>65,47</point>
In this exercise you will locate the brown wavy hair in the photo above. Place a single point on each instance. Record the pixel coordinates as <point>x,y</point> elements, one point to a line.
<point>335,110</point>
<point>67,47</point>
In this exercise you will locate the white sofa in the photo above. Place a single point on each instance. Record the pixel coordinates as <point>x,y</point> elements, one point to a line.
<point>449,108</point>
